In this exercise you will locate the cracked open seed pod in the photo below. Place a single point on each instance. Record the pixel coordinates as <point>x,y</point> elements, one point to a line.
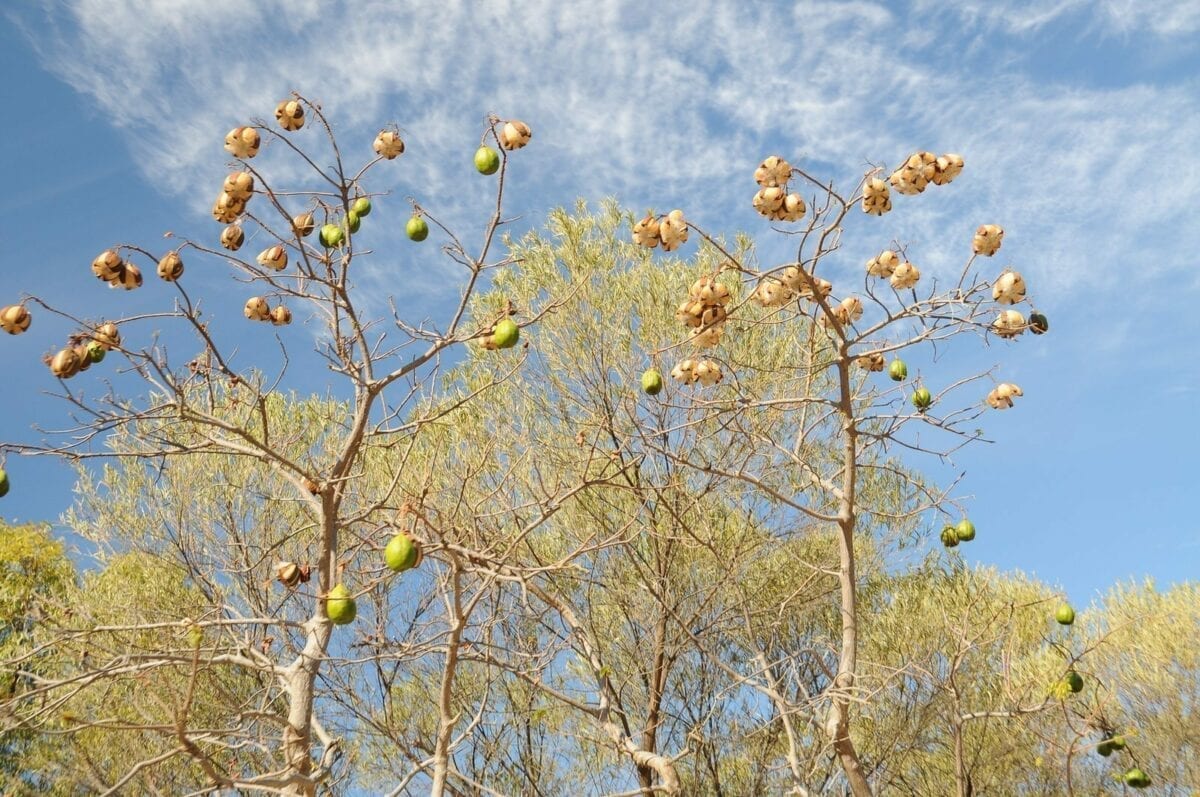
<point>239,185</point>
<point>768,200</point>
<point>709,291</point>
<point>915,174</point>
<point>515,134</point>
<point>274,258</point>
<point>1009,287</point>
<point>388,144</point>
<point>290,115</point>
<point>281,316</point>
<point>905,275</point>
<point>793,208</point>
<point>304,224</point>
<point>707,373</point>
<point>15,319</point>
<point>65,364</point>
<point>870,362</point>
<point>107,265</point>
<point>876,197</point>
<point>645,232</point>
<point>848,310</point>
<point>690,312</point>
<point>257,309</point>
<point>987,240</point>
<point>706,338</point>
<point>226,209</point>
<point>170,266</point>
<point>684,371</point>
<point>1001,397</point>
<point>673,231</point>
<point>713,315</point>
<point>819,287</point>
<point>242,142</point>
<point>232,237</point>
<point>773,171</point>
<point>883,264</point>
<point>107,335</point>
<point>81,354</point>
<point>792,278</point>
<point>946,168</point>
<point>1009,324</point>
<point>288,574</point>
<point>772,293</point>
<point>130,277</point>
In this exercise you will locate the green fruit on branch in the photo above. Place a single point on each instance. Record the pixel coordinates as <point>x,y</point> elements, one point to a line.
<point>353,221</point>
<point>1074,680</point>
<point>922,399</point>
<point>1105,748</point>
<point>1064,614</point>
<point>1117,742</point>
<point>949,536</point>
<point>965,530</point>
<point>416,229</point>
<point>487,160</point>
<point>340,606</point>
<point>361,206</point>
<point>506,334</point>
<point>652,382</point>
<point>330,236</point>
<point>1137,778</point>
<point>4,485</point>
<point>1038,324</point>
<point>402,553</point>
<point>897,370</point>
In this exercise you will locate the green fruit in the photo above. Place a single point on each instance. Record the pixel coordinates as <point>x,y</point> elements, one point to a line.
<point>361,206</point>
<point>400,553</point>
<point>340,606</point>
<point>353,222</point>
<point>95,351</point>
<point>897,370</point>
<point>652,382</point>
<point>949,537</point>
<point>1117,742</point>
<point>922,399</point>
<point>1038,324</point>
<point>506,334</point>
<point>417,229</point>
<point>195,635</point>
<point>3,483</point>
<point>1074,680</point>
<point>487,160</point>
<point>1105,748</point>
<point>1137,778</point>
<point>965,530</point>
<point>330,236</point>
<point>1064,614</point>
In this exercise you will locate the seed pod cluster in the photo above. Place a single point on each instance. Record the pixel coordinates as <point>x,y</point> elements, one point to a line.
<point>703,372</point>
<point>883,264</point>
<point>514,134</point>
<point>922,168</point>
<point>290,115</point>
<point>846,311</point>
<point>291,575</point>
<point>791,282</point>
<point>109,267</point>
<point>773,200</point>
<point>870,362</point>
<point>704,311</point>
<point>1001,396</point>
<point>905,275</point>
<point>82,350</point>
<point>388,144</point>
<point>877,197</point>
<point>1009,287</point>
<point>670,230</point>
<point>987,240</point>
<point>15,319</point>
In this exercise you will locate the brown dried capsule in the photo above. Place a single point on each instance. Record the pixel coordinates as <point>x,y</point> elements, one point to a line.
<point>170,267</point>
<point>232,237</point>
<point>388,144</point>
<point>15,319</point>
<point>281,316</point>
<point>257,309</point>
<point>242,142</point>
<point>290,115</point>
<point>515,134</point>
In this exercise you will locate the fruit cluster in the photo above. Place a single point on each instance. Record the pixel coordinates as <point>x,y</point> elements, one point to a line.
<point>704,311</point>
<point>704,372</point>
<point>776,292</point>
<point>953,535</point>
<point>109,267</point>
<point>670,230</point>
<point>82,350</point>
<point>257,309</point>
<point>922,168</point>
<point>772,199</point>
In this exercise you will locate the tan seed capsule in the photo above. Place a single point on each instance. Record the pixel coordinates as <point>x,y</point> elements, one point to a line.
<point>107,265</point>
<point>232,237</point>
<point>281,316</point>
<point>646,232</point>
<point>1009,324</point>
<point>274,258</point>
<point>170,267</point>
<point>15,319</point>
<point>673,231</point>
<point>707,373</point>
<point>905,275</point>
<point>773,171</point>
<point>1009,288</point>
<point>239,185</point>
<point>129,278</point>
<point>257,309</point>
<point>107,335</point>
<point>304,224</point>
<point>290,115</point>
<point>987,240</point>
<point>515,134</point>
<point>388,144</point>
<point>768,200</point>
<point>242,142</point>
<point>793,208</point>
<point>65,364</point>
<point>287,573</point>
<point>870,362</point>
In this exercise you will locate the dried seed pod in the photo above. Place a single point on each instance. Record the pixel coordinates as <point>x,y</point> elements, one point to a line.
<point>129,278</point>
<point>281,316</point>
<point>706,338</point>
<point>515,134</point>
<point>304,224</point>
<point>82,355</point>
<point>287,573</point>
<point>905,275</point>
<point>257,309</point>
<point>876,197</point>
<point>170,266</point>
<point>793,278</point>
<point>1001,397</point>
<point>691,312</point>
<point>107,335</point>
<point>673,231</point>
<point>65,364</point>
<point>232,237</point>
<point>946,168</point>
<point>772,293</point>
<point>793,208</point>
<point>107,265</point>
<point>819,288</point>
<point>987,240</point>
<point>239,185</point>
<point>226,209</point>
<point>685,372</point>
<point>242,142</point>
<point>707,373</point>
<point>709,291</point>
<point>713,315</point>
<point>773,171</point>
<point>290,115</point>
<point>274,258</point>
<point>15,319</point>
<point>883,264</point>
<point>768,200</point>
<point>646,232</point>
<point>1009,287</point>
<point>388,144</point>
<point>848,310</point>
<point>870,362</point>
<point>1009,324</point>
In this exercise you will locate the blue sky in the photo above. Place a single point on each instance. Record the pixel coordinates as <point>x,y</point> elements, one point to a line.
<point>1078,119</point>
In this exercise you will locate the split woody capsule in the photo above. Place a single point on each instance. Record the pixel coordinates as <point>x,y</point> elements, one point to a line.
<point>242,142</point>
<point>773,171</point>
<point>304,224</point>
<point>107,265</point>
<point>673,231</point>
<point>772,293</point>
<point>290,115</point>
<point>257,309</point>
<point>170,266</point>
<point>876,197</point>
<point>916,173</point>
<point>1001,397</point>
<point>1009,287</point>
<point>792,209</point>
<point>388,144</point>
<point>226,209</point>
<point>281,316</point>
<point>848,310</point>
<point>107,335</point>
<point>1008,324</point>
<point>707,373</point>
<point>232,237</point>
<point>870,362</point>
<point>987,240</point>
<point>65,364</point>
<point>274,258</point>
<point>684,371</point>
<point>15,319</point>
<point>905,276</point>
<point>515,134</point>
<point>130,277</point>
<point>239,185</point>
<point>769,200</point>
<point>646,232</point>
<point>883,264</point>
<point>946,168</point>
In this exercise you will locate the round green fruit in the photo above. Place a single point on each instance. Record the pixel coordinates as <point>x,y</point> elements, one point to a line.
<point>1064,614</point>
<point>95,351</point>
<point>949,537</point>
<point>417,229</point>
<point>361,206</point>
<point>487,160</point>
<point>1074,680</point>
<point>353,221</point>
<point>1137,778</point>
<point>965,530</point>
<point>652,382</point>
<point>1038,324</point>
<point>897,370</point>
<point>1105,748</point>
<point>3,483</point>
<point>330,236</point>
<point>506,334</point>
<point>1117,742</point>
<point>922,399</point>
<point>340,606</point>
<point>400,553</point>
